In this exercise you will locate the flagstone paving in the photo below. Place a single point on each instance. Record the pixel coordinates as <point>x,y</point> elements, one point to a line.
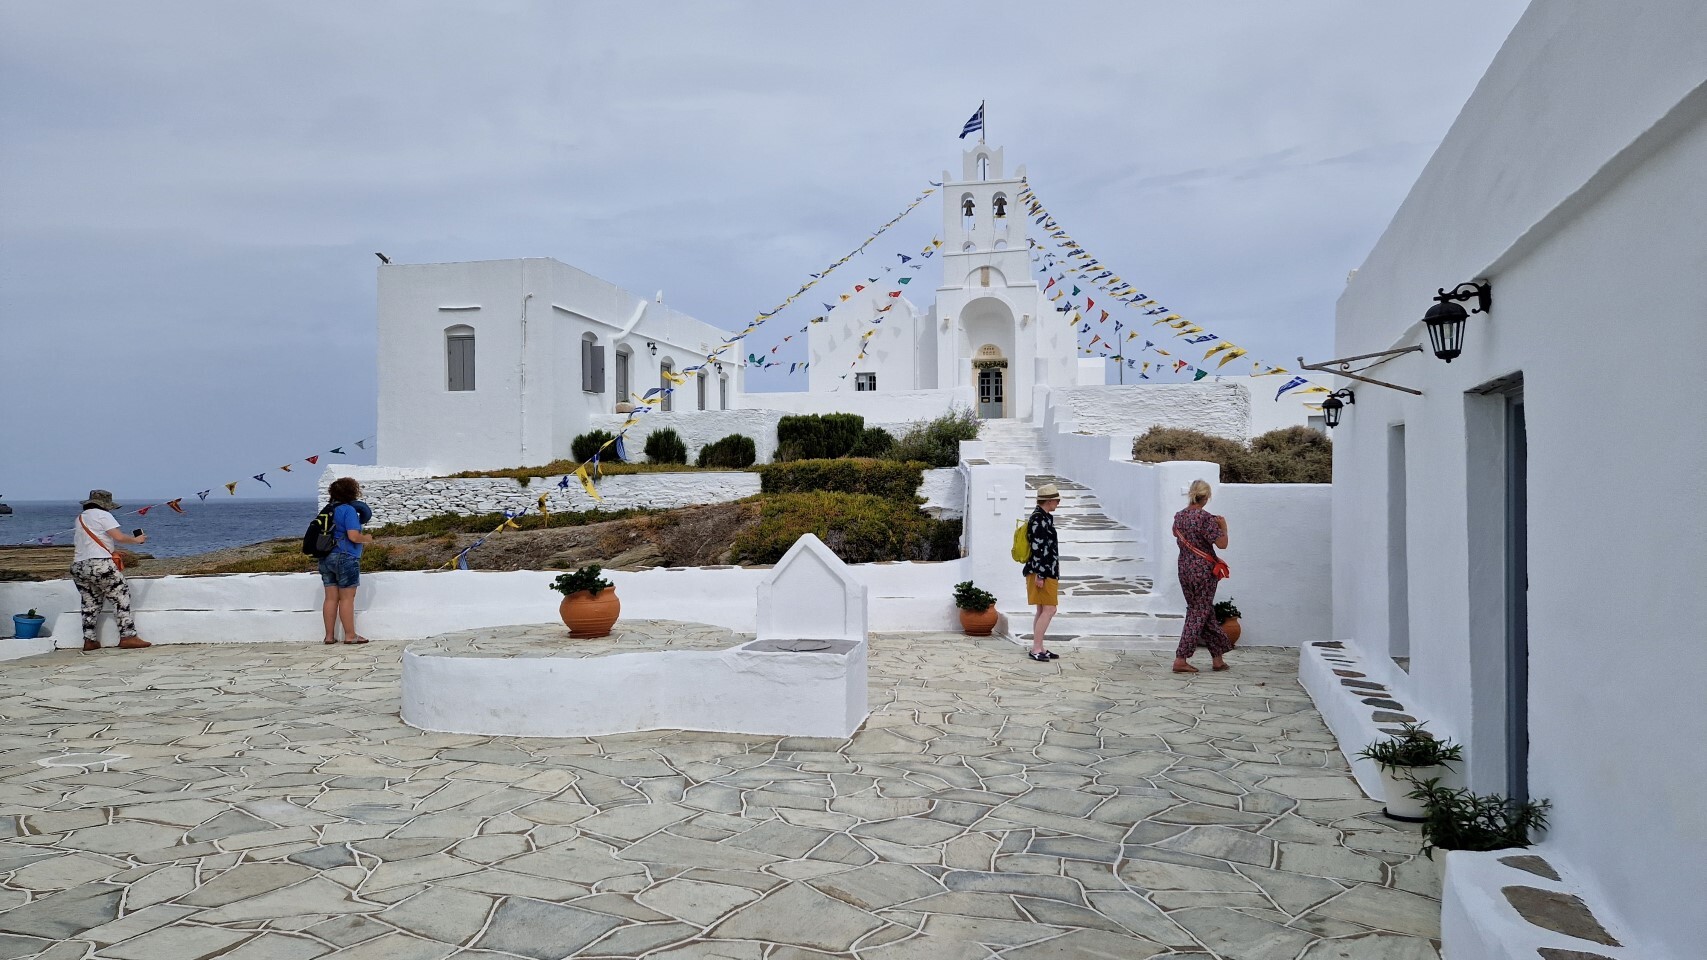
<point>264,802</point>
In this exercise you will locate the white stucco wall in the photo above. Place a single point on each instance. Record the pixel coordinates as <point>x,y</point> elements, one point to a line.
<point>249,608</point>
<point>880,408</point>
<point>696,430</point>
<point>1572,181</point>
<point>1221,409</point>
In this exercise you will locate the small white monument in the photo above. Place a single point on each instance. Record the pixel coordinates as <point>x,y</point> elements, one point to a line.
<point>810,595</point>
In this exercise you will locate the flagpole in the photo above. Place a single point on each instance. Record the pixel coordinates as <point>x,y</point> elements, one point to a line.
<point>985,125</point>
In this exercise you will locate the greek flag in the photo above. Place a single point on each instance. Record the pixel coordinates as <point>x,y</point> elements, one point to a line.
<point>975,124</point>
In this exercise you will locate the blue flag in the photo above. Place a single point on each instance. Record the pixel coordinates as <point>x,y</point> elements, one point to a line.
<point>621,454</point>
<point>975,124</point>
<point>1292,384</point>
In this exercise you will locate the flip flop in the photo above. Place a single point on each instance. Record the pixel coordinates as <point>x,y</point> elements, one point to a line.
<point>359,639</point>
<point>330,641</point>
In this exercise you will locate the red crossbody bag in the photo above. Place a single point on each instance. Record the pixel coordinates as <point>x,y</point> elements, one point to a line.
<point>118,561</point>
<point>1218,566</point>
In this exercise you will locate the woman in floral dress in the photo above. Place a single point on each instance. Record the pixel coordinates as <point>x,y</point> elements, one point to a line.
<point>1198,528</point>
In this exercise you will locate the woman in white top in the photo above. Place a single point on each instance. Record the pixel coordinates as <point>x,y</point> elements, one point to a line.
<point>96,571</point>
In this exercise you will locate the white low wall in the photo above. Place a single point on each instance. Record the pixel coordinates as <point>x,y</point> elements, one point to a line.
<point>271,607</point>
<point>738,690</point>
<point>696,430</point>
<point>1221,409</point>
<point>1279,533</point>
<point>397,496</point>
<point>877,407</point>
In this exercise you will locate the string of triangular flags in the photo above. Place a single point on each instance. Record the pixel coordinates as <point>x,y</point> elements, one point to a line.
<point>649,401</point>
<point>763,360</point>
<point>1088,269</point>
<point>176,504</point>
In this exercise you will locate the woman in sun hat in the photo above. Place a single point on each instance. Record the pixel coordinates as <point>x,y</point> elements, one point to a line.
<point>99,573</point>
<point>1043,569</point>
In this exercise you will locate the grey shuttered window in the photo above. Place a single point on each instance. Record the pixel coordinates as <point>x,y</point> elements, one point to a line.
<point>459,361</point>
<point>621,376</point>
<point>700,379</point>
<point>722,393</point>
<point>592,367</point>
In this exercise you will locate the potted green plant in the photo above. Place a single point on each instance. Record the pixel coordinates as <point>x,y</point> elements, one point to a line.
<point>1461,820</point>
<point>1407,760</point>
<point>590,605</point>
<point>1227,615</point>
<point>977,609</point>
<point>27,626</point>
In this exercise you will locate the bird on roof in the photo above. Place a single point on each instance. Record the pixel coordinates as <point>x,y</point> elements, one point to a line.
<point>382,257</point>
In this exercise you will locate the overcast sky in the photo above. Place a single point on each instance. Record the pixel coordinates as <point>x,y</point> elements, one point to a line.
<point>191,193</point>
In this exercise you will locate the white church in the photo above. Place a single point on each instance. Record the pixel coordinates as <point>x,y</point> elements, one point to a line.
<point>502,363</point>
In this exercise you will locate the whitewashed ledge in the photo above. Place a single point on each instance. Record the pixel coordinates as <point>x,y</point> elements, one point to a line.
<point>534,681</point>
<point>405,494</point>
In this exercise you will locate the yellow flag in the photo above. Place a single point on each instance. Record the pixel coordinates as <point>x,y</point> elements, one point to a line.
<point>231,488</point>
<point>587,484</point>
<point>1317,390</point>
<point>509,524</point>
<point>1232,354</point>
<point>542,509</point>
<point>1223,345</point>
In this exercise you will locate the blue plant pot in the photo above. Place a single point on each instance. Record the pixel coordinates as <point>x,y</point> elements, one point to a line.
<point>27,628</point>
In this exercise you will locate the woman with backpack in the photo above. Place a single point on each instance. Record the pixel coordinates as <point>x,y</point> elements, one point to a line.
<point>341,569</point>
<point>1042,569</point>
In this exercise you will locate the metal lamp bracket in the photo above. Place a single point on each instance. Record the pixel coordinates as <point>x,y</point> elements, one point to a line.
<point>1342,367</point>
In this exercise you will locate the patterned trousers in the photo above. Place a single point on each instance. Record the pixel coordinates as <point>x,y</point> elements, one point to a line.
<point>1197,581</point>
<point>97,582</point>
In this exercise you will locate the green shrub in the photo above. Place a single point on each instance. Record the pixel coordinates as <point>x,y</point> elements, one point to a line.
<point>666,446</point>
<point>1290,455</point>
<point>936,443</point>
<point>735,451</point>
<point>584,446</point>
<point>872,442</point>
<point>1461,820</point>
<point>858,528</point>
<point>817,436</point>
<point>878,478</point>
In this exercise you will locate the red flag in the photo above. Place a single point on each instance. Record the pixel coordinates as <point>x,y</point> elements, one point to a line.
<point>1095,339</point>
<point>174,504</point>
<point>1089,303</point>
<point>313,459</point>
<point>1104,317</point>
<point>1051,283</point>
<point>894,293</point>
<point>858,287</point>
<point>144,511</point>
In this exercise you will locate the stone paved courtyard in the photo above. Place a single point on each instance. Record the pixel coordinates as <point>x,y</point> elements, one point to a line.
<point>264,802</point>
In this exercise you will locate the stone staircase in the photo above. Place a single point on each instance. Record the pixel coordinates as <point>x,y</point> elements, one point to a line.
<point>1106,603</point>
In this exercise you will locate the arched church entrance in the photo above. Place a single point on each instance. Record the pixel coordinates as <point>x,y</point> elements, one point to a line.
<point>991,371</point>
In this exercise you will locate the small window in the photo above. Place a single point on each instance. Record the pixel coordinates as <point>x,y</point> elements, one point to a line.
<point>722,393</point>
<point>699,384</point>
<point>622,357</point>
<point>666,389</point>
<point>459,357</point>
<point>865,382</point>
<point>592,365</point>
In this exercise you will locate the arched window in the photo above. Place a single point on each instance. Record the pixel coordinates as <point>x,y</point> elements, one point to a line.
<point>459,357</point>
<point>666,366</point>
<point>592,364</point>
<point>983,166</point>
<point>623,355</point>
<point>999,205</point>
<point>968,206</point>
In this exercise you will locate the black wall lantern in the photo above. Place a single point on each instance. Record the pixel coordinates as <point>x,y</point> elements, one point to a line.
<point>1333,406</point>
<point>1445,320</point>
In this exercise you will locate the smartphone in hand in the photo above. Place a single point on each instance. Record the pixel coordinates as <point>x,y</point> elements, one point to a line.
<point>137,532</point>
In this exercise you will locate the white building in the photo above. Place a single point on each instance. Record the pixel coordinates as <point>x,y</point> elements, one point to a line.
<point>1518,552</point>
<point>500,363</point>
<point>990,331</point>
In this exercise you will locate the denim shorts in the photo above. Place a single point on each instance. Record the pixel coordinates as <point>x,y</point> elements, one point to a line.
<point>340,569</point>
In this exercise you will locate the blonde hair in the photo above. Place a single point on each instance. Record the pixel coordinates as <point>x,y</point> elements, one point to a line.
<point>1199,492</point>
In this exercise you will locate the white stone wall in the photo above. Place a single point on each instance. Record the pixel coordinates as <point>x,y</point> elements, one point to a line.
<point>696,430</point>
<point>401,499</point>
<point>1221,409</point>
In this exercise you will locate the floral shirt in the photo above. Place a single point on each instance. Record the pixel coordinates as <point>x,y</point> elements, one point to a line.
<point>1045,551</point>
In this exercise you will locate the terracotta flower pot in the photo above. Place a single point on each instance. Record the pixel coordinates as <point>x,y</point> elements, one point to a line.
<point>589,616</point>
<point>1231,628</point>
<point>978,623</point>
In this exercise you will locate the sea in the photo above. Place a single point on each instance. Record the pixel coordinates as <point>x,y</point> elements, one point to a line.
<point>202,527</point>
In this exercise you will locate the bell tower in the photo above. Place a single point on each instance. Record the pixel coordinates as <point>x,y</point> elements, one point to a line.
<point>990,333</point>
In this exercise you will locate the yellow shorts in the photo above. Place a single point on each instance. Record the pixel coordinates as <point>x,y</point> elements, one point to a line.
<point>1043,596</point>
